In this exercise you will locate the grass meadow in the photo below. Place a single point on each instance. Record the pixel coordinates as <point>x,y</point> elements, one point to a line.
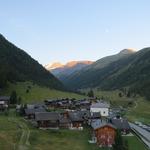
<point>33,93</point>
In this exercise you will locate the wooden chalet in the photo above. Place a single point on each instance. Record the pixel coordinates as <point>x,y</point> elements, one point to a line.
<point>85,104</point>
<point>51,103</point>
<point>76,120</point>
<point>63,105</point>
<point>31,109</point>
<point>103,133</point>
<point>64,120</point>
<point>30,112</point>
<point>47,119</point>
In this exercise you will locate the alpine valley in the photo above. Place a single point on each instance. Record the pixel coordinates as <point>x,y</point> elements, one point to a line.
<point>128,69</point>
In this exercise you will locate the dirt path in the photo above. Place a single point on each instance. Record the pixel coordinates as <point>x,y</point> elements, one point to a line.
<point>24,139</point>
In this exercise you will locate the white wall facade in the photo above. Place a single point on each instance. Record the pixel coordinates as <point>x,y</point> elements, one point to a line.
<point>103,111</point>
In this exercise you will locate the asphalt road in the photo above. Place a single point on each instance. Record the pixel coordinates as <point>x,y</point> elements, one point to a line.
<point>143,134</point>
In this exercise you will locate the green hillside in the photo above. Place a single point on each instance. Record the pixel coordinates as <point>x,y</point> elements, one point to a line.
<point>137,107</point>
<point>89,76</point>
<point>17,65</point>
<point>132,72</point>
<point>30,92</point>
<point>103,62</point>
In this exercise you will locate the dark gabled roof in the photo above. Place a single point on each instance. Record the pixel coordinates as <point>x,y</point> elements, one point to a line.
<point>84,113</point>
<point>107,124</point>
<point>40,106</point>
<point>76,116</point>
<point>120,123</point>
<point>33,111</point>
<point>84,102</point>
<point>29,111</point>
<point>4,98</point>
<point>99,124</point>
<point>100,105</point>
<point>36,106</point>
<point>43,116</point>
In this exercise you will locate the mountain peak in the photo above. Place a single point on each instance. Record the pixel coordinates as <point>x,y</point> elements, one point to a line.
<point>74,63</point>
<point>54,65</point>
<point>63,71</point>
<point>70,64</point>
<point>127,51</point>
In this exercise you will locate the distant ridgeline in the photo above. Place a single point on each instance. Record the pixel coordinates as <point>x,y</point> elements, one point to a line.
<point>17,65</point>
<point>126,69</point>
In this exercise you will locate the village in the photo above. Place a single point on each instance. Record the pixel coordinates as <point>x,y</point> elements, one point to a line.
<point>103,120</point>
<point>56,114</point>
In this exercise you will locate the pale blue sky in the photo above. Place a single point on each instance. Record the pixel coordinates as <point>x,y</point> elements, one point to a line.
<point>64,30</point>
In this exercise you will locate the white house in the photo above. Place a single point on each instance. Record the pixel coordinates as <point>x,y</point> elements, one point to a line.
<point>101,107</point>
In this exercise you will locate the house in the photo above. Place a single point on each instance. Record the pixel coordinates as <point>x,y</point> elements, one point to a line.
<point>36,105</point>
<point>95,115</point>
<point>63,105</point>
<point>121,124</point>
<point>85,104</point>
<point>64,122</point>
<point>30,112</point>
<point>47,120</point>
<point>100,107</point>
<point>51,103</point>
<point>31,109</point>
<point>103,133</point>
<point>4,102</point>
<point>76,120</point>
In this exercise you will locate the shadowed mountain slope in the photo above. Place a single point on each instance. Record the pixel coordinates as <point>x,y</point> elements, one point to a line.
<point>17,65</point>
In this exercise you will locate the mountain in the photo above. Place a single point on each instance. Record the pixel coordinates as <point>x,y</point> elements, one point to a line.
<point>53,66</point>
<point>17,65</point>
<point>89,76</point>
<point>131,71</point>
<point>103,62</point>
<point>63,71</point>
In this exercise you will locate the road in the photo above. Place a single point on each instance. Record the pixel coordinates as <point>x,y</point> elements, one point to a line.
<point>142,133</point>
